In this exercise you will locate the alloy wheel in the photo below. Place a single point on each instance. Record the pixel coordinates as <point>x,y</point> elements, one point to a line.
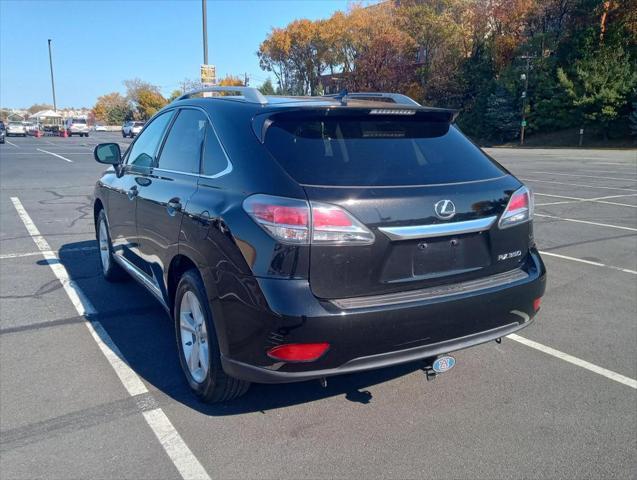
<point>194,336</point>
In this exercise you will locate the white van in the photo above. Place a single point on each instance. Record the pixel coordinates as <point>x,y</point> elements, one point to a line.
<point>76,126</point>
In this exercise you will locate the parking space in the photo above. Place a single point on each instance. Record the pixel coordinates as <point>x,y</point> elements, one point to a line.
<point>103,396</point>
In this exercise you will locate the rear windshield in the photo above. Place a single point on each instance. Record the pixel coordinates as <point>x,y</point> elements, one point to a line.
<point>383,151</point>
<point>79,120</point>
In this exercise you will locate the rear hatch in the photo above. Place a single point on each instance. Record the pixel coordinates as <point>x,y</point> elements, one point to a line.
<point>430,197</point>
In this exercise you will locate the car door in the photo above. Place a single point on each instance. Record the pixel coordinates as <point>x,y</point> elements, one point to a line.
<point>122,198</point>
<point>167,190</point>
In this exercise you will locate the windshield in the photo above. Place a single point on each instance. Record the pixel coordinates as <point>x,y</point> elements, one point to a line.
<point>383,151</point>
<point>79,120</point>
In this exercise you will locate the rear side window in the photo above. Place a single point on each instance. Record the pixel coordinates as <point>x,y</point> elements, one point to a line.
<point>214,160</point>
<point>184,144</point>
<point>376,151</point>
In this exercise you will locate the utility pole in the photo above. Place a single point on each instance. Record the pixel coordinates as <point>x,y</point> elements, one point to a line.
<point>55,109</point>
<point>245,79</point>
<point>205,31</point>
<point>525,77</point>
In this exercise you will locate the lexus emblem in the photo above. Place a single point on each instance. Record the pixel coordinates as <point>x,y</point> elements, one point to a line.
<point>445,209</point>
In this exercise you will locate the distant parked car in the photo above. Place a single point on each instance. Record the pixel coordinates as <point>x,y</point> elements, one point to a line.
<point>100,128</point>
<point>31,127</point>
<point>17,129</point>
<point>132,128</point>
<point>2,133</point>
<point>76,126</point>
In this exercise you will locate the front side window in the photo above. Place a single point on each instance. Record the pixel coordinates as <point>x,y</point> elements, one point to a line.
<point>184,144</point>
<point>143,151</point>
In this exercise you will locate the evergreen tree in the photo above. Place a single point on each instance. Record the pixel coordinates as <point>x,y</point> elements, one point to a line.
<point>267,88</point>
<point>501,120</point>
<point>600,85</point>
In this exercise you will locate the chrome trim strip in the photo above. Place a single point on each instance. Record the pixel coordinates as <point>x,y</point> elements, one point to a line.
<point>141,277</point>
<point>442,291</point>
<point>413,232</point>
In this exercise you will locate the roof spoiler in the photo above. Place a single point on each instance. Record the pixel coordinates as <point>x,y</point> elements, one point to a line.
<point>263,121</point>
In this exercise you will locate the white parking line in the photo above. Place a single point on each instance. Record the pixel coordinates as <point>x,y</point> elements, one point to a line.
<point>11,143</point>
<point>574,220</point>
<point>59,153</point>
<point>4,256</point>
<point>630,382</point>
<point>593,200</point>
<point>620,164</point>
<point>605,171</point>
<point>584,176</point>
<point>617,204</point>
<point>54,154</point>
<point>173,444</point>
<point>588,262</point>
<point>624,189</point>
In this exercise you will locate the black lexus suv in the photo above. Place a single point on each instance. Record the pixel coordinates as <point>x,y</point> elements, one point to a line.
<point>295,238</point>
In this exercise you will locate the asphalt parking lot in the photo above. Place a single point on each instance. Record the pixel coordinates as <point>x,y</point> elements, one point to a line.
<point>105,398</point>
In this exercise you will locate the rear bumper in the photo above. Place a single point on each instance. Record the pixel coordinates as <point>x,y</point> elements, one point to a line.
<point>255,374</point>
<point>369,337</point>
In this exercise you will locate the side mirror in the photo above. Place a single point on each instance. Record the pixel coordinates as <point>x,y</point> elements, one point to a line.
<point>108,153</point>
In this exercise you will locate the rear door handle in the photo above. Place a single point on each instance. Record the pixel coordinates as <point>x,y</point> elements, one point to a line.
<point>132,192</point>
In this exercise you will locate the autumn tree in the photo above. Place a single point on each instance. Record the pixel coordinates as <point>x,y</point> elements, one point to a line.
<point>174,95</point>
<point>579,58</point>
<point>149,102</point>
<point>231,81</point>
<point>112,109</point>
<point>135,86</point>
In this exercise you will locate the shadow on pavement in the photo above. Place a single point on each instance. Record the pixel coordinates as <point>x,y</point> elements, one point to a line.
<point>144,333</point>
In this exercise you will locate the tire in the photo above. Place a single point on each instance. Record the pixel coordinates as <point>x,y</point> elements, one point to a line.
<point>123,135</point>
<point>210,384</point>
<point>110,269</point>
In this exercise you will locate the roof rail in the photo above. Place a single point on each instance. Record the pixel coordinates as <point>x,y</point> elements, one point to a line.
<point>251,94</point>
<point>395,97</point>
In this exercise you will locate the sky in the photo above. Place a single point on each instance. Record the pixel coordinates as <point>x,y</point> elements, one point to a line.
<point>99,43</point>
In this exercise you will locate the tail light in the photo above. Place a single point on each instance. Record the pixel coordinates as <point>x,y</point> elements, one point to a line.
<point>298,352</point>
<point>297,221</point>
<point>519,209</point>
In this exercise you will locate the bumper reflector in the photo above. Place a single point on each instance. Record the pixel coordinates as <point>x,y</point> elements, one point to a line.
<point>298,352</point>
<point>536,304</point>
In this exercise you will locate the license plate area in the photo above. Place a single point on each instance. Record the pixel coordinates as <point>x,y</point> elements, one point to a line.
<point>435,256</point>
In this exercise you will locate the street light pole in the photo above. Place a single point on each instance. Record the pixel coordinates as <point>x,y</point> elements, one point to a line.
<point>205,31</point>
<point>55,109</point>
